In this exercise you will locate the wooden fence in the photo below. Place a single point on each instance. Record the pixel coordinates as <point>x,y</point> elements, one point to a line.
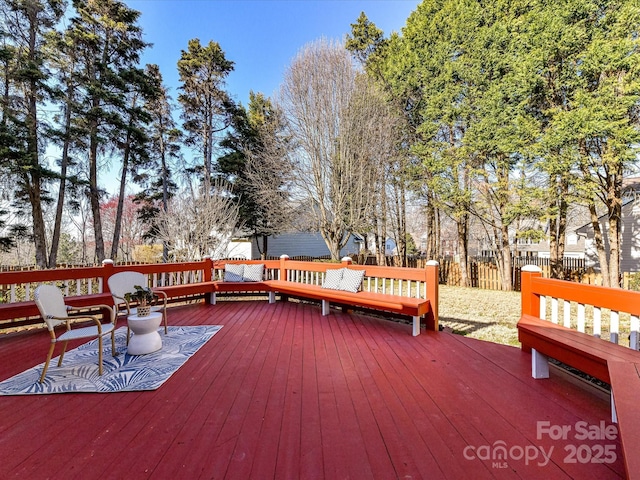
<point>484,273</point>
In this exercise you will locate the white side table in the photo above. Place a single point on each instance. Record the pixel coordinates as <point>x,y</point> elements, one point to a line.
<point>145,338</point>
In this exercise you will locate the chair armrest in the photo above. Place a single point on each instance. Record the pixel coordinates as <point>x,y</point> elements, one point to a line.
<point>119,301</point>
<point>118,297</point>
<point>83,318</point>
<point>97,306</point>
<point>161,293</point>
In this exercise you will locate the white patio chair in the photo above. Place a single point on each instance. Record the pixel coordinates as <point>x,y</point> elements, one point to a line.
<point>54,311</point>
<point>122,283</point>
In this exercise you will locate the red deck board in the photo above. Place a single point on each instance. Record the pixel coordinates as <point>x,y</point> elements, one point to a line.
<point>252,399</point>
<point>416,418</point>
<point>359,398</point>
<point>264,462</point>
<point>289,452</point>
<point>405,414</point>
<point>490,395</point>
<point>349,449</point>
<point>626,379</point>
<point>283,392</point>
<point>311,451</point>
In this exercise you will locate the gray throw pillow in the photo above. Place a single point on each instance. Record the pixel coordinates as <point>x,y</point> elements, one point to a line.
<point>332,278</point>
<point>233,273</point>
<point>253,272</point>
<point>351,280</point>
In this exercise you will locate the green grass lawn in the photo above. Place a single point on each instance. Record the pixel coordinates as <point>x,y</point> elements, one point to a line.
<point>483,314</point>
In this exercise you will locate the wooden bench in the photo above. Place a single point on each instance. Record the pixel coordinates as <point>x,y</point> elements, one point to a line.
<point>414,307</point>
<point>611,363</point>
<point>242,287</point>
<point>187,289</point>
<point>198,279</point>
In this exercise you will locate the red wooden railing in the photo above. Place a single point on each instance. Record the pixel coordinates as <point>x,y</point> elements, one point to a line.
<point>583,307</point>
<point>80,285</point>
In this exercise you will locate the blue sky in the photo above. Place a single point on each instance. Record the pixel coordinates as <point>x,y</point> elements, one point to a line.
<point>261,36</point>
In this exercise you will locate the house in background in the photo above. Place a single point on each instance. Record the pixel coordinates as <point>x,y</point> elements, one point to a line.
<point>574,247</point>
<point>389,245</point>
<point>239,248</point>
<point>297,244</point>
<point>630,241</point>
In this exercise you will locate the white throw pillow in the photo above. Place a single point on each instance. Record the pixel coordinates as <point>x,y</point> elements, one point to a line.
<point>351,280</point>
<point>332,278</point>
<point>253,272</point>
<point>233,272</point>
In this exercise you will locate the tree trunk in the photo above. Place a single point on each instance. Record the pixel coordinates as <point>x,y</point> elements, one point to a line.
<point>600,247</point>
<point>165,195</point>
<point>505,253</point>
<point>64,162</point>
<point>614,206</point>
<point>401,231</point>
<point>333,239</point>
<point>33,181</point>
<point>265,245</point>
<point>381,238</point>
<point>433,231</point>
<point>558,230</point>
<point>121,196</point>
<point>463,248</point>
<point>94,193</point>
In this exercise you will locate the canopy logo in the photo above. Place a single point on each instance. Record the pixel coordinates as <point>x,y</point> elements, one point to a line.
<point>578,446</point>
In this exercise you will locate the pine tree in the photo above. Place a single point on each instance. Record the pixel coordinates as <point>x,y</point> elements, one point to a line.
<point>257,164</point>
<point>164,149</point>
<point>133,140</point>
<point>205,103</point>
<point>108,43</point>
<point>64,90</point>
<point>24,25</point>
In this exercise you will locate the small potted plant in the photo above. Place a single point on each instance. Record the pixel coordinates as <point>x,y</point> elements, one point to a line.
<point>143,296</point>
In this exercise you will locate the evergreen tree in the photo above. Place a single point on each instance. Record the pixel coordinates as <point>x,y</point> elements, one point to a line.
<point>164,148</point>
<point>133,141</point>
<point>24,26</point>
<point>62,131</point>
<point>108,43</point>
<point>205,103</point>
<point>368,45</point>
<point>257,164</point>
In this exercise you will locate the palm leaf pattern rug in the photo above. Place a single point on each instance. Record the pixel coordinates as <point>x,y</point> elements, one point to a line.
<point>123,373</point>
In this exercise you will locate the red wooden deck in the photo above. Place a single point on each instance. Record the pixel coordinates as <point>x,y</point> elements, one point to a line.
<point>282,392</point>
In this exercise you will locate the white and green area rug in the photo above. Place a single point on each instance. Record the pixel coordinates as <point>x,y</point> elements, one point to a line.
<point>123,373</point>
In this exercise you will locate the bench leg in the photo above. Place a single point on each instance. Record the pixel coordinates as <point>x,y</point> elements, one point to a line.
<point>272,297</point>
<point>416,326</point>
<point>614,415</point>
<point>539,365</point>
<point>212,298</point>
<point>325,307</point>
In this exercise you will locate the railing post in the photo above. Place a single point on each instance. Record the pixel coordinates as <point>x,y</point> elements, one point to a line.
<point>530,302</point>
<point>207,269</point>
<point>283,267</point>
<point>432,277</point>
<point>107,271</point>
